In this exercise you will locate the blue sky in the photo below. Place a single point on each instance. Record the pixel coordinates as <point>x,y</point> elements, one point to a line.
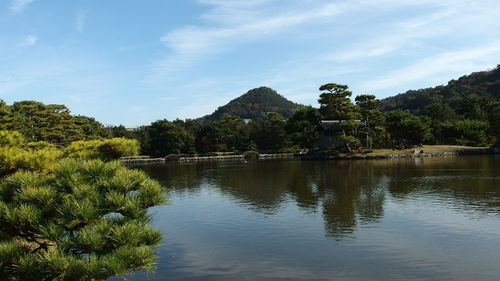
<point>133,62</point>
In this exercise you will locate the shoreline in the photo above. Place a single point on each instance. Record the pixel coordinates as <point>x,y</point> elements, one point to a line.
<point>427,151</point>
<point>434,151</point>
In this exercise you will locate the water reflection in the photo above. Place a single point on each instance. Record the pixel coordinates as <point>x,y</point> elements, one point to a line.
<point>347,193</point>
<point>413,219</point>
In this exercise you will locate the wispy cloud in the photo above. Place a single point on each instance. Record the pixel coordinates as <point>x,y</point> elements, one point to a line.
<point>430,68</point>
<point>28,40</point>
<point>230,26</point>
<point>450,17</point>
<point>80,21</point>
<point>17,6</point>
<point>371,45</point>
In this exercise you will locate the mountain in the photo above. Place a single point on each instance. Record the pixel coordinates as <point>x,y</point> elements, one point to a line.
<point>478,85</point>
<point>255,105</point>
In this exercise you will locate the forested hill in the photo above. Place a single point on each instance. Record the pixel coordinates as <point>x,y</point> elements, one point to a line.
<point>478,86</point>
<point>255,105</point>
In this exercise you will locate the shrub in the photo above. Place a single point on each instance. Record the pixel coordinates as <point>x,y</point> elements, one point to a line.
<point>350,143</point>
<point>11,138</point>
<point>39,145</point>
<point>13,159</point>
<point>118,147</point>
<point>108,149</point>
<point>86,220</point>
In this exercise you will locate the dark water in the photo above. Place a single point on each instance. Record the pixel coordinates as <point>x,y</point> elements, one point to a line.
<point>414,219</point>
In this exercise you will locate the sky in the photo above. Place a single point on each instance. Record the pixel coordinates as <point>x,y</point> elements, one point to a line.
<point>133,62</point>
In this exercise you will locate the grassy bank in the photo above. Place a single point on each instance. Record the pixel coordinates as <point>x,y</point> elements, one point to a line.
<point>425,149</point>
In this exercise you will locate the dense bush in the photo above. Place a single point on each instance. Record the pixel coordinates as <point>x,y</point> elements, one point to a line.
<point>86,220</point>
<point>11,138</point>
<point>102,149</point>
<point>38,145</point>
<point>15,154</point>
<point>13,159</point>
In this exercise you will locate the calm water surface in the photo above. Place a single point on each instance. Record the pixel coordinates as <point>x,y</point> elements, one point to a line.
<point>413,219</point>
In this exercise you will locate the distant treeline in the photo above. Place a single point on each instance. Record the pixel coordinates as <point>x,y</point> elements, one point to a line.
<point>465,112</point>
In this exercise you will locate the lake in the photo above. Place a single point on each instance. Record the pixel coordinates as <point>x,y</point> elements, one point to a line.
<point>400,219</point>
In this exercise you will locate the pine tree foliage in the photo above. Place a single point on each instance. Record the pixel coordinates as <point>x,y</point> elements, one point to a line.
<point>336,103</point>
<point>16,154</point>
<point>84,220</point>
<point>52,123</point>
<point>108,149</point>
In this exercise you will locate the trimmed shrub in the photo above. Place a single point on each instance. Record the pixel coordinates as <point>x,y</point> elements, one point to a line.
<point>13,159</point>
<point>108,149</point>
<point>39,145</point>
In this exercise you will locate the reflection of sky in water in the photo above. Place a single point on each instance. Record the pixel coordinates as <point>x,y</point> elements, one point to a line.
<point>360,220</point>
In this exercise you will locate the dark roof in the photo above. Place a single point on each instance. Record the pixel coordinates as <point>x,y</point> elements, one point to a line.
<point>328,125</point>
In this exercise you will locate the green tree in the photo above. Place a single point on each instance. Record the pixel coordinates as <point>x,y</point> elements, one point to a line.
<point>82,221</point>
<point>466,132</point>
<point>372,117</point>
<point>336,103</point>
<point>302,125</point>
<point>40,122</point>
<point>494,121</point>
<point>269,135</point>
<point>90,128</point>
<point>440,112</point>
<point>235,132</point>
<point>166,137</point>
<point>210,137</point>
<point>473,107</point>
<point>350,142</point>
<point>406,127</point>
<point>120,132</point>
<point>51,123</point>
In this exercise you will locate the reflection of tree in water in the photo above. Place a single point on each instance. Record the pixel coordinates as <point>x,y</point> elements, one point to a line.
<point>259,186</point>
<point>350,192</point>
<point>347,193</point>
<point>187,178</point>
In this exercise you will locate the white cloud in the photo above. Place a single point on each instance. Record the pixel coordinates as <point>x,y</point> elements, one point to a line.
<point>450,17</point>
<point>231,23</point>
<point>385,44</point>
<point>191,43</point>
<point>29,40</point>
<point>436,66</point>
<point>18,6</point>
